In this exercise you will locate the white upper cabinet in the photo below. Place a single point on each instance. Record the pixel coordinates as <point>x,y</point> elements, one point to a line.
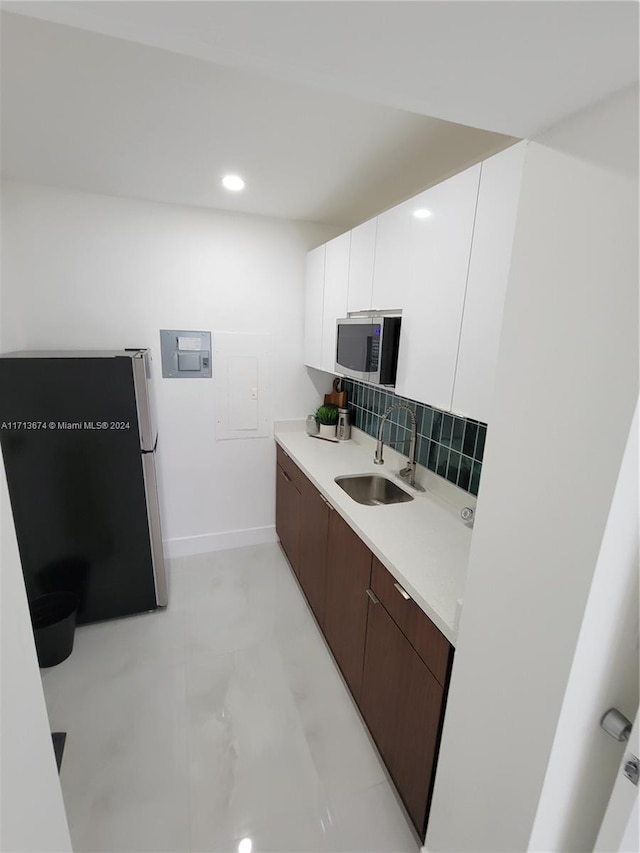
<point>447,270</point>
<point>314,298</point>
<point>440,247</point>
<point>487,282</point>
<point>363,247</point>
<point>392,262</point>
<point>336,282</point>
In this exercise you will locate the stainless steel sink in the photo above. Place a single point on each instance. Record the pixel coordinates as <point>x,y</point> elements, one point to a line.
<point>371,490</point>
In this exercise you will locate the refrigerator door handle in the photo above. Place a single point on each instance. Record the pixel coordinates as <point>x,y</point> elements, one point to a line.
<point>153,449</point>
<point>141,380</point>
<point>155,531</point>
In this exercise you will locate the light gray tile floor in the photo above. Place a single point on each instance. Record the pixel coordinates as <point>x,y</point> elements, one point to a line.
<point>220,719</point>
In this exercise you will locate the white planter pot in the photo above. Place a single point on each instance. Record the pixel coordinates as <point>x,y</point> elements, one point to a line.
<point>328,430</point>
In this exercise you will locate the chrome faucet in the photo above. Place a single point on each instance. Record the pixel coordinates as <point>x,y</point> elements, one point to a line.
<point>408,474</point>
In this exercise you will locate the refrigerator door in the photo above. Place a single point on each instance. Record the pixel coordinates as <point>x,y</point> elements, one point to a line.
<point>155,532</point>
<point>77,486</point>
<point>141,363</point>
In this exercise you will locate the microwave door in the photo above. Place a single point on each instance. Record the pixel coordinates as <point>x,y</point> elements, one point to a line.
<point>351,351</point>
<point>355,347</point>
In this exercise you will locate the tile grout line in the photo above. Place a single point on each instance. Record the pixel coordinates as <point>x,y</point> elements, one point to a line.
<point>369,407</point>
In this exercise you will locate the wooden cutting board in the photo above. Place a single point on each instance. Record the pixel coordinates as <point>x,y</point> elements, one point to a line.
<point>336,398</point>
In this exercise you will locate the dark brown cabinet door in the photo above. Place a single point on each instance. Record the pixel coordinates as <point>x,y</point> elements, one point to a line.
<point>418,732</point>
<point>382,681</point>
<point>314,526</point>
<point>401,703</point>
<point>345,619</point>
<point>288,516</point>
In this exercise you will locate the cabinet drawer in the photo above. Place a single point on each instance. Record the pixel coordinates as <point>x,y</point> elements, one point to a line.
<point>426,639</point>
<point>289,467</point>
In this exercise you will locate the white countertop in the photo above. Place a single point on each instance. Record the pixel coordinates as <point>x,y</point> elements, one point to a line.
<point>423,543</point>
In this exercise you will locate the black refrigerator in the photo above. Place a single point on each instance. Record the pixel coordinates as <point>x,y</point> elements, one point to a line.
<point>78,439</point>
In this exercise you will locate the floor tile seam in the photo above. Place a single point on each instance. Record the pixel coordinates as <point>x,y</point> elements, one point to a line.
<point>146,667</point>
<point>187,758</point>
<point>199,655</point>
<point>229,560</point>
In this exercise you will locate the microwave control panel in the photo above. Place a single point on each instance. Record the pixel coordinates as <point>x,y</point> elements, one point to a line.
<point>374,349</point>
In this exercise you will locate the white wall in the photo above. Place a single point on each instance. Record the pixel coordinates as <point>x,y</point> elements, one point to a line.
<point>32,816</point>
<point>567,385</point>
<point>604,674</point>
<point>88,271</point>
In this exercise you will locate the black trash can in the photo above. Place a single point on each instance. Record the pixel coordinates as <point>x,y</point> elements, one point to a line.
<point>53,617</point>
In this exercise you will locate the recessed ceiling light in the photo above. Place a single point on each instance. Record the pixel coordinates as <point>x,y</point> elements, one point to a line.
<point>422,213</point>
<point>233,182</point>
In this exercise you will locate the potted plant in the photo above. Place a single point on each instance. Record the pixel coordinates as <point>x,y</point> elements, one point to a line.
<point>327,419</point>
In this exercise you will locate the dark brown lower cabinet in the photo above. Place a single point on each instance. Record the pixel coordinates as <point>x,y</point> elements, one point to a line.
<point>312,563</point>
<point>402,706</point>
<point>288,516</point>
<point>345,618</point>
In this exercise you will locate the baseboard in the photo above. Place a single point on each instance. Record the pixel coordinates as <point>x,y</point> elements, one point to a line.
<point>185,546</point>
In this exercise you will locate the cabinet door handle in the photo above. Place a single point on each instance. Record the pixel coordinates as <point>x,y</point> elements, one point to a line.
<point>372,596</point>
<point>325,500</point>
<point>402,592</point>
<point>285,475</point>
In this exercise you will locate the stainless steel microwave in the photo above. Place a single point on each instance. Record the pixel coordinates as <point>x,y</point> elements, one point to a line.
<point>367,348</point>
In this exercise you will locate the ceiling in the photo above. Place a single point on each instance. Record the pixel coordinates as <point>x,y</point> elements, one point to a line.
<point>332,111</point>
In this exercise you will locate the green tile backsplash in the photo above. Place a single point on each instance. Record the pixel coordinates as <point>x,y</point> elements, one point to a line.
<point>448,445</point>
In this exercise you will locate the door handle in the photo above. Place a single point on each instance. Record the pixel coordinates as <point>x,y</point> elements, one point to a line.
<point>372,596</point>
<point>402,592</point>
<point>616,725</point>
<point>325,500</point>
<point>632,769</point>
<point>285,475</point>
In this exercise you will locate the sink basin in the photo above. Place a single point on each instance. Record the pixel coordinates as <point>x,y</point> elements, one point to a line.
<point>371,490</point>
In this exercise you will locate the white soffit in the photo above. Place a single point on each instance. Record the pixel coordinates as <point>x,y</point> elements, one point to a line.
<point>331,111</point>
<point>509,66</point>
<point>91,112</point>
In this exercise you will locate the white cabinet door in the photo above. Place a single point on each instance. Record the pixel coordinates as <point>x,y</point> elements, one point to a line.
<point>487,282</point>
<point>619,830</point>
<point>336,282</point>
<point>432,310</point>
<point>392,261</point>
<point>314,298</point>
<point>363,246</point>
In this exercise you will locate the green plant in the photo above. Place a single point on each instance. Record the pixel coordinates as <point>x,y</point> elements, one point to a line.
<point>327,415</point>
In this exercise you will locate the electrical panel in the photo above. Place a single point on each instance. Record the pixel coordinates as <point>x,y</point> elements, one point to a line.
<point>185,354</point>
